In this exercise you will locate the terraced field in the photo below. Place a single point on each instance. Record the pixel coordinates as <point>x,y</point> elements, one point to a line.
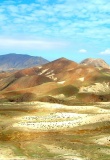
<point>46,131</point>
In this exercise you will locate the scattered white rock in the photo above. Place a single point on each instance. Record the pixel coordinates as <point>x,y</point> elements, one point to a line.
<point>70,69</point>
<point>61,82</point>
<point>81,79</point>
<point>63,124</point>
<point>96,88</point>
<point>59,96</point>
<point>40,67</point>
<point>49,72</point>
<point>43,71</point>
<point>55,78</point>
<point>52,76</point>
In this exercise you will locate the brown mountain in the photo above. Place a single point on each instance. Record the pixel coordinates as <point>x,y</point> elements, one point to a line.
<point>30,77</point>
<point>58,81</point>
<point>100,63</point>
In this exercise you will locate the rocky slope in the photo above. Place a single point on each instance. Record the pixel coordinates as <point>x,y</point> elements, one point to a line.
<point>98,88</point>
<point>100,63</point>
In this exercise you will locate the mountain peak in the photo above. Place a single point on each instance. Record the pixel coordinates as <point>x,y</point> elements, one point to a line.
<point>96,62</point>
<point>20,61</point>
<point>63,59</point>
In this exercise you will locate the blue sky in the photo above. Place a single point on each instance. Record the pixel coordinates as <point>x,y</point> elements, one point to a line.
<point>75,29</point>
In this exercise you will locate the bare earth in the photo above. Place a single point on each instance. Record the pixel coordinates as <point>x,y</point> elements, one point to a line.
<point>44,131</point>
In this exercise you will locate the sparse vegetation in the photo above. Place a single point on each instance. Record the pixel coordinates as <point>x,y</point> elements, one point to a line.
<point>75,142</point>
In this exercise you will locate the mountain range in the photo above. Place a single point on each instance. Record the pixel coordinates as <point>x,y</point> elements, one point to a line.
<point>18,61</point>
<point>14,61</point>
<point>59,81</point>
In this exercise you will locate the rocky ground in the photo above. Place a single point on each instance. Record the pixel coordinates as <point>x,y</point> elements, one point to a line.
<point>46,131</point>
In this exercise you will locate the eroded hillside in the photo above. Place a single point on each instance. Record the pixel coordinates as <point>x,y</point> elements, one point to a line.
<point>61,79</point>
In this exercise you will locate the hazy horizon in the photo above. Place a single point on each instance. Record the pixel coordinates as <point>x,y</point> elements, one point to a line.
<point>48,59</point>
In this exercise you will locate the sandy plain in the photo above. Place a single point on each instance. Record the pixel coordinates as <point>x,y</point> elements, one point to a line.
<point>46,131</point>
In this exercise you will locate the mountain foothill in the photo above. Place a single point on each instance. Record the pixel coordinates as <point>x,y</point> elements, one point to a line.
<point>29,78</point>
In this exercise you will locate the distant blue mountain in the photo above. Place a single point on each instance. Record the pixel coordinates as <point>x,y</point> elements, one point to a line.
<point>19,61</point>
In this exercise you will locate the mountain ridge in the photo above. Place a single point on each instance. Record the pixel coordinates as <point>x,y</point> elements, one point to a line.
<point>19,61</point>
<point>58,80</point>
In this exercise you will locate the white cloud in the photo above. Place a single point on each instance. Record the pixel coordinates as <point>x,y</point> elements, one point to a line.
<point>13,8</point>
<point>106,52</point>
<point>83,51</point>
<point>64,18</point>
<point>32,44</point>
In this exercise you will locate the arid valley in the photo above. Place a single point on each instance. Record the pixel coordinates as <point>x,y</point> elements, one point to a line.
<point>44,131</point>
<point>56,111</point>
<point>54,79</point>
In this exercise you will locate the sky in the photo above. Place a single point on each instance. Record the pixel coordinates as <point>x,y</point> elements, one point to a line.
<point>74,29</point>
